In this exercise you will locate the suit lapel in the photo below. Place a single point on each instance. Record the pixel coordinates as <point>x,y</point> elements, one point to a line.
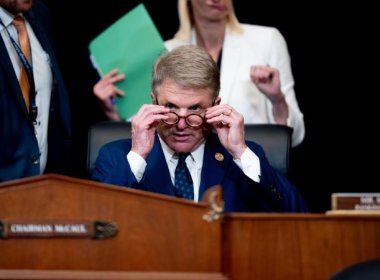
<point>39,32</point>
<point>215,160</point>
<point>43,40</point>
<point>157,176</point>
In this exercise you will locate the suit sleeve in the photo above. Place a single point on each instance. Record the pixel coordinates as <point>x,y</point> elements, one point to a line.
<point>112,166</point>
<point>281,195</point>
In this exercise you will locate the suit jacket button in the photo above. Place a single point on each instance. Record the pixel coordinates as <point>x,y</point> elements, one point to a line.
<point>276,192</point>
<point>36,160</point>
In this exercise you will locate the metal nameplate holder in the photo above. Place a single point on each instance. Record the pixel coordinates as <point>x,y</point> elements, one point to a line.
<point>57,229</point>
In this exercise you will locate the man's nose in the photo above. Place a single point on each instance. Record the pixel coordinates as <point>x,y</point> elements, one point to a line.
<point>182,123</point>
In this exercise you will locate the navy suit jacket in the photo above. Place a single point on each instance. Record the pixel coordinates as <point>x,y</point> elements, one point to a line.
<point>274,193</point>
<point>19,152</point>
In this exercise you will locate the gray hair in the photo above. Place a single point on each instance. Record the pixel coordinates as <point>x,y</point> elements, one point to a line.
<point>188,66</point>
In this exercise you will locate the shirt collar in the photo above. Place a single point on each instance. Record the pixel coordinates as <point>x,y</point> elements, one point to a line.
<point>196,155</point>
<point>6,17</point>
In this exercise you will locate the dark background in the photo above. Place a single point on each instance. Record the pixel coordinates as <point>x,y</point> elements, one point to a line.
<point>333,54</point>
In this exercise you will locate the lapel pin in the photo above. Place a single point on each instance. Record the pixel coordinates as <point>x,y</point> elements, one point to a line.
<point>219,157</point>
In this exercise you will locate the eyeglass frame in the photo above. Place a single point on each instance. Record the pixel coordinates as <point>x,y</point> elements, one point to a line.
<point>186,117</point>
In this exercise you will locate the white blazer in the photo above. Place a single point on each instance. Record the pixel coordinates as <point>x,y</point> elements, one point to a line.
<point>257,45</point>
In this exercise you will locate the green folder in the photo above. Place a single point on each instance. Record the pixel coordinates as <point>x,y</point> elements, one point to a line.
<point>131,44</point>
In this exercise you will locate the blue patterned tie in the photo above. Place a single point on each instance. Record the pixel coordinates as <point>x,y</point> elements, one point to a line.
<point>183,182</point>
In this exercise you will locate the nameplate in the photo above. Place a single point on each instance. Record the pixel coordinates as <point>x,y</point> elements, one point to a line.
<point>57,229</point>
<point>356,201</point>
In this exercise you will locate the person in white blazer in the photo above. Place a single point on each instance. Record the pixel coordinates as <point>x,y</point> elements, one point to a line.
<point>256,75</point>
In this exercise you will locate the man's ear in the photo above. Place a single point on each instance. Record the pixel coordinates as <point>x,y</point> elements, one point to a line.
<point>217,100</point>
<point>154,100</point>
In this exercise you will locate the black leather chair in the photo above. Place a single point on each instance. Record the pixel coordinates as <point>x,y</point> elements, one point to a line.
<point>367,270</point>
<point>275,140</point>
<point>101,133</point>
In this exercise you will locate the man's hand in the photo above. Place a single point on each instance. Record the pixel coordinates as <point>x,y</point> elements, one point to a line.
<point>144,124</point>
<point>229,124</point>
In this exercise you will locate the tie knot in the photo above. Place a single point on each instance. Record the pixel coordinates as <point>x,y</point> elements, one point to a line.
<point>182,157</point>
<point>19,23</point>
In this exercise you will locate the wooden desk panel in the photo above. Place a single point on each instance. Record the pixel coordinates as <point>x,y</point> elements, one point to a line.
<point>283,247</point>
<point>156,232</point>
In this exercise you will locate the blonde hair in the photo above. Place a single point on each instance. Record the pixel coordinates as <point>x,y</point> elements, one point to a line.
<point>185,21</point>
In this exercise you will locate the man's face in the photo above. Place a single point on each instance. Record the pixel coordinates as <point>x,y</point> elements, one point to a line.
<point>181,137</point>
<point>16,6</point>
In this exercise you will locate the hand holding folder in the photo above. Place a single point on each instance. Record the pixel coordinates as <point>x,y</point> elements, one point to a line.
<point>131,44</point>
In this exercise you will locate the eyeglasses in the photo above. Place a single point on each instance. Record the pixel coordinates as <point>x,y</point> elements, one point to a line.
<point>193,120</point>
